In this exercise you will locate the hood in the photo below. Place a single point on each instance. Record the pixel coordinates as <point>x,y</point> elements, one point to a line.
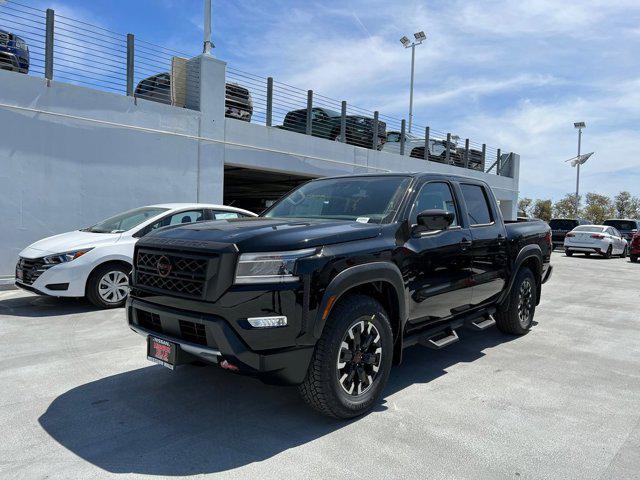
<point>66,242</point>
<point>269,234</point>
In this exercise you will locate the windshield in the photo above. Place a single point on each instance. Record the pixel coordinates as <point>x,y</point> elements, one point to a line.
<point>125,221</point>
<point>589,228</point>
<point>621,224</point>
<point>560,224</point>
<point>364,199</point>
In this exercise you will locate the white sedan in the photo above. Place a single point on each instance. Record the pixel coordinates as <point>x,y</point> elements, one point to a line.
<point>599,239</point>
<point>94,262</point>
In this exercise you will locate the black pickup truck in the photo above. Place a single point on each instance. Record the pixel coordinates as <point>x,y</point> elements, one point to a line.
<point>325,123</point>
<point>326,288</point>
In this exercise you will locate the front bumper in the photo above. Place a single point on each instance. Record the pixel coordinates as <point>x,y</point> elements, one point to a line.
<point>216,341</point>
<point>12,62</point>
<point>61,280</point>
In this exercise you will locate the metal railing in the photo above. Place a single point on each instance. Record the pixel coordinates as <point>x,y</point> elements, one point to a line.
<point>88,55</point>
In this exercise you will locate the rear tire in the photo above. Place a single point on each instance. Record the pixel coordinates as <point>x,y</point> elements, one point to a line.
<point>354,354</point>
<point>108,286</point>
<point>609,252</point>
<point>624,253</point>
<point>518,316</point>
<point>568,253</point>
<point>634,258</point>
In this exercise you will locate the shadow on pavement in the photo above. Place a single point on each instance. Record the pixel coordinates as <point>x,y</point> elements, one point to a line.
<point>40,306</point>
<point>204,420</point>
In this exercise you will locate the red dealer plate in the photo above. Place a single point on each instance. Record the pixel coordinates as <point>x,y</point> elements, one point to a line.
<point>161,352</point>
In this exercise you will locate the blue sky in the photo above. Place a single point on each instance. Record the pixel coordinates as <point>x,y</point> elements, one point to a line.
<point>513,74</point>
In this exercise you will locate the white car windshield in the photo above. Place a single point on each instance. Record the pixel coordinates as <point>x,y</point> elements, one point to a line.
<point>125,221</point>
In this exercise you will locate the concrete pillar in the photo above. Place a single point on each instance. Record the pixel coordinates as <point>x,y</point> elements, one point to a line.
<point>206,79</point>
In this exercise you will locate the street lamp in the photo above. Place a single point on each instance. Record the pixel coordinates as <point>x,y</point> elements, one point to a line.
<point>208,44</point>
<point>579,160</point>
<point>406,43</point>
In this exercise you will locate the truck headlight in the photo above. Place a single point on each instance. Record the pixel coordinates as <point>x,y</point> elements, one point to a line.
<point>65,257</point>
<point>269,267</point>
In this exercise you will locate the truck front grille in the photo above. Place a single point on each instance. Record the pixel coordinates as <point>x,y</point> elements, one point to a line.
<point>180,274</point>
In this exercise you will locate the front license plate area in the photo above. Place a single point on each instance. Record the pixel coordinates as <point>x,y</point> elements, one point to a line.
<point>162,352</point>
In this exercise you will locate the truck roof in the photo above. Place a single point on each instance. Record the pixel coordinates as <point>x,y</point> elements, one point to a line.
<point>421,175</point>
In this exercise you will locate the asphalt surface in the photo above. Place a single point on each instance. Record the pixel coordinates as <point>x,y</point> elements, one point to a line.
<point>79,400</point>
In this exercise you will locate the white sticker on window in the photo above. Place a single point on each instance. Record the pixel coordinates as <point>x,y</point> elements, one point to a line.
<point>362,219</point>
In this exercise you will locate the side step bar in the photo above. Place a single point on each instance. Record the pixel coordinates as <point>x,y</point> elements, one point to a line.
<point>482,323</point>
<point>440,340</point>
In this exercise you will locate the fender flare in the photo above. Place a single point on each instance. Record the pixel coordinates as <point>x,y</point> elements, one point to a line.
<point>527,252</point>
<point>356,276</point>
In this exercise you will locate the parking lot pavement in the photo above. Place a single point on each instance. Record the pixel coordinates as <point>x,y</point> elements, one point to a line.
<point>79,399</point>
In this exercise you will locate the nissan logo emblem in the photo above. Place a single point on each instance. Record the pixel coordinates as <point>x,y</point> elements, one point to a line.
<point>163,266</point>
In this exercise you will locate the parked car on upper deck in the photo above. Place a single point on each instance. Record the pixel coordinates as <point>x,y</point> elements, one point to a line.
<point>325,123</point>
<point>600,239</point>
<point>157,88</point>
<point>14,53</point>
<point>627,227</point>
<point>95,261</point>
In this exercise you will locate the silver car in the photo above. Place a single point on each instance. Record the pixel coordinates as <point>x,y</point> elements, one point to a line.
<point>599,239</point>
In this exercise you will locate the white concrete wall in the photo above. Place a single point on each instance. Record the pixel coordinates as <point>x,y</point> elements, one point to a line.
<point>70,156</point>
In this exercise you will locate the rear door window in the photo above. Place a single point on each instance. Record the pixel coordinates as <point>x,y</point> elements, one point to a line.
<point>477,203</point>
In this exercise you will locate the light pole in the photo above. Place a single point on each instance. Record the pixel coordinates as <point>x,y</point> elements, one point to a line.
<point>208,44</point>
<point>406,43</point>
<point>579,126</point>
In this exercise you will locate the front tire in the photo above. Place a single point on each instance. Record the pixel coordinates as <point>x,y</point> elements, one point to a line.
<point>352,359</point>
<point>108,286</point>
<point>568,253</point>
<point>517,318</point>
<point>634,258</point>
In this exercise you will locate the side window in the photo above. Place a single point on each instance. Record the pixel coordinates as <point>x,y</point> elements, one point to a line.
<point>477,204</point>
<point>221,215</point>
<point>179,218</point>
<point>434,196</point>
<point>318,115</point>
<point>393,137</point>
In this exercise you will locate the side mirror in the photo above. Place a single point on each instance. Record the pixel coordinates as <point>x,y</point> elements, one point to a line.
<point>433,220</point>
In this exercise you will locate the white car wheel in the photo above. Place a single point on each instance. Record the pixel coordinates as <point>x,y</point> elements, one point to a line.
<point>113,286</point>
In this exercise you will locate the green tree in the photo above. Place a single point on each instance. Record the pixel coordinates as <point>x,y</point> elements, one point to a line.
<point>565,207</point>
<point>598,208</point>
<point>542,209</point>
<point>626,206</point>
<point>524,207</point>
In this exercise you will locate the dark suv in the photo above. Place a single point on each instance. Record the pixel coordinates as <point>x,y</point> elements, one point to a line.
<point>627,227</point>
<point>561,226</point>
<point>238,102</point>
<point>325,123</point>
<point>14,53</point>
